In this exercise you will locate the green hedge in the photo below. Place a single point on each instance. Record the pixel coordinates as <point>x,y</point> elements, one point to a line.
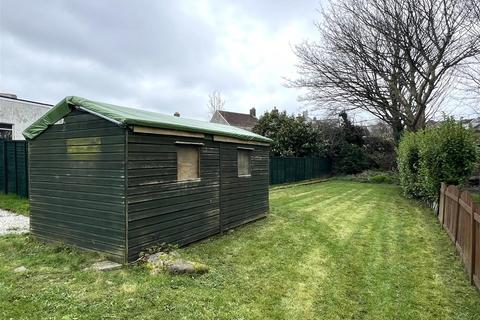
<point>447,153</point>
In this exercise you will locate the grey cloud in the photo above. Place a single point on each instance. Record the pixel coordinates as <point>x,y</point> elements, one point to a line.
<point>105,49</point>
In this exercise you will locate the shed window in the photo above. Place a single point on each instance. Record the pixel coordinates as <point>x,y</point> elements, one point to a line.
<point>244,167</point>
<point>188,159</point>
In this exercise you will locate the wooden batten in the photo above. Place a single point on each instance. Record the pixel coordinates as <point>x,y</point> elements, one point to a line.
<point>235,140</point>
<point>167,132</point>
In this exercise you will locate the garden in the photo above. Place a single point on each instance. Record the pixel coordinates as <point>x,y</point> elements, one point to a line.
<point>364,244</point>
<point>331,250</point>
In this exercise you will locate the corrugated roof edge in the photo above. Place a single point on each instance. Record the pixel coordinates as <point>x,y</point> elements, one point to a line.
<point>131,116</point>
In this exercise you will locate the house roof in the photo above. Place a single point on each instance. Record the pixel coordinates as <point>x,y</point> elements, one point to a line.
<point>13,97</point>
<point>125,117</point>
<point>239,119</point>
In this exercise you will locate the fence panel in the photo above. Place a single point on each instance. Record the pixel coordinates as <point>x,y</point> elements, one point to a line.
<point>292,169</point>
<point>451,210</point>
<point>14,167</point>
<point>476,248</point>
<point>460,217</point>
<point>464,229</point>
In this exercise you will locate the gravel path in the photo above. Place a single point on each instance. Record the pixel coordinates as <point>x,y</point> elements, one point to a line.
<point>13,223</point>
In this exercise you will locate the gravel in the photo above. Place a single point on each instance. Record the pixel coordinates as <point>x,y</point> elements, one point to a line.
<point>13,223</point>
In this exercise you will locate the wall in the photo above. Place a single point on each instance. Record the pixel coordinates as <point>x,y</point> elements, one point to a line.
<point>160,209</point>
<point>21,114</point>
<point>77,184</point>
<point>243,199</point>
<point>217,118</point>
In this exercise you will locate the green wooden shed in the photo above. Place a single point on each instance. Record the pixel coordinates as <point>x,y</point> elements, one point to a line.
<point>118,180</point>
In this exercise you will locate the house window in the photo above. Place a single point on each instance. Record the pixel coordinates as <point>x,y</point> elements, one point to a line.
<point>6,131</point>
<point>244,166</point>
<point>188,162</point>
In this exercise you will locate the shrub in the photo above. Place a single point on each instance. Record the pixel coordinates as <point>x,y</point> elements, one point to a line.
<point>350,158</point>
<point>382,178</point>
<point>427,158</point>
<point>372,176</point>
<point>408,161</point>
<point>447,154</point>
<point>380,152</point>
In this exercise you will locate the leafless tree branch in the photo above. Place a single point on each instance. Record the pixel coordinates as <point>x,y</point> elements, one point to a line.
<point>215,102</point>
<point>395,59</point>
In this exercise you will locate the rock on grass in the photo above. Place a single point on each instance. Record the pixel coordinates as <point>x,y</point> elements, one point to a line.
<point>171,263</point>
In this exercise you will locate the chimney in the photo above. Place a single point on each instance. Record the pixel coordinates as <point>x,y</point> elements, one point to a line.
<point>253,112</point>
<point>177,114</point>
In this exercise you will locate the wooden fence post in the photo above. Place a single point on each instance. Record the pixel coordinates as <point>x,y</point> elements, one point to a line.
<point>457,217</point>
<point>473,240</point>
<point>443,198</point>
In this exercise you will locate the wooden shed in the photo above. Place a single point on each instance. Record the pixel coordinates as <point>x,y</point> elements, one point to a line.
<point>118,180</point>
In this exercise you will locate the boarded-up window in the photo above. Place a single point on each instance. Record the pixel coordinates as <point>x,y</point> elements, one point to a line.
<point>244,168</point>
<point>188,160</point>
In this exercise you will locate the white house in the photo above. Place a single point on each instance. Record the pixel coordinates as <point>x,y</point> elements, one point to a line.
<point>17,114</point>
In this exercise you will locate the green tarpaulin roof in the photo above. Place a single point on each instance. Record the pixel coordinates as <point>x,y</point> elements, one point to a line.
<point>128,116</point>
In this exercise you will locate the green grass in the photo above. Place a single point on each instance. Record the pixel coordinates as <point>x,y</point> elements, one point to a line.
<point>333,250</point>
<point>476,196</point>
<point>15,204</point>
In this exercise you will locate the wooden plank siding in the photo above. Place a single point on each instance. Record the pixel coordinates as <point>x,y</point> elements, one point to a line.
<point>162,209</point>
<point>245,198</point>
<point>77,184</point>
<point>99,186</point>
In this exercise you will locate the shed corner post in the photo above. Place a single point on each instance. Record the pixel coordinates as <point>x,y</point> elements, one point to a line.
<point>220,205</point>
<point>125,193</point>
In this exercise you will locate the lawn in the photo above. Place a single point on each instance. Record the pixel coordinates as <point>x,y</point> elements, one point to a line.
<point>332,250</point>
<point>15,204</point>
<point>476,196</point>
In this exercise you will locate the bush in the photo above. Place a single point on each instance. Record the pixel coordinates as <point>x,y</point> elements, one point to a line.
<point>372,176</point>
<point>350,158</point>
<point>408,161</point>
<point>447,154</point>
<point>382,178</point>
<point>444,154</point>
<point>380,152</point>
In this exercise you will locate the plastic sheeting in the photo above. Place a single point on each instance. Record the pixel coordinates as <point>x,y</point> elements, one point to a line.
<point>128,116</point>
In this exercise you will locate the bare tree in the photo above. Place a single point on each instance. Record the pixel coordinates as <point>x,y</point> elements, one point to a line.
<point>472,71</point>
<point>395,59</point>
<point>215,102</point>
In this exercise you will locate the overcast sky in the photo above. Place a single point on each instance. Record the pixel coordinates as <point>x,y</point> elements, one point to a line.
<point>158,55</point>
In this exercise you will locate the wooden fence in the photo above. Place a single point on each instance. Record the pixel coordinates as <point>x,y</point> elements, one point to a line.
<point>14,167</point>
<point>460,216</point>
<point>291,169</point>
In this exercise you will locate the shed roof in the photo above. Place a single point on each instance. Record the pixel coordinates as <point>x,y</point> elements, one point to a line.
<point>129,116</point>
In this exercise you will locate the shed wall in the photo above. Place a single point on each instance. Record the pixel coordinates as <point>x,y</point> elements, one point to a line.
<point>243,199</point>
<point>162,209</point>
<point>77,184</point>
